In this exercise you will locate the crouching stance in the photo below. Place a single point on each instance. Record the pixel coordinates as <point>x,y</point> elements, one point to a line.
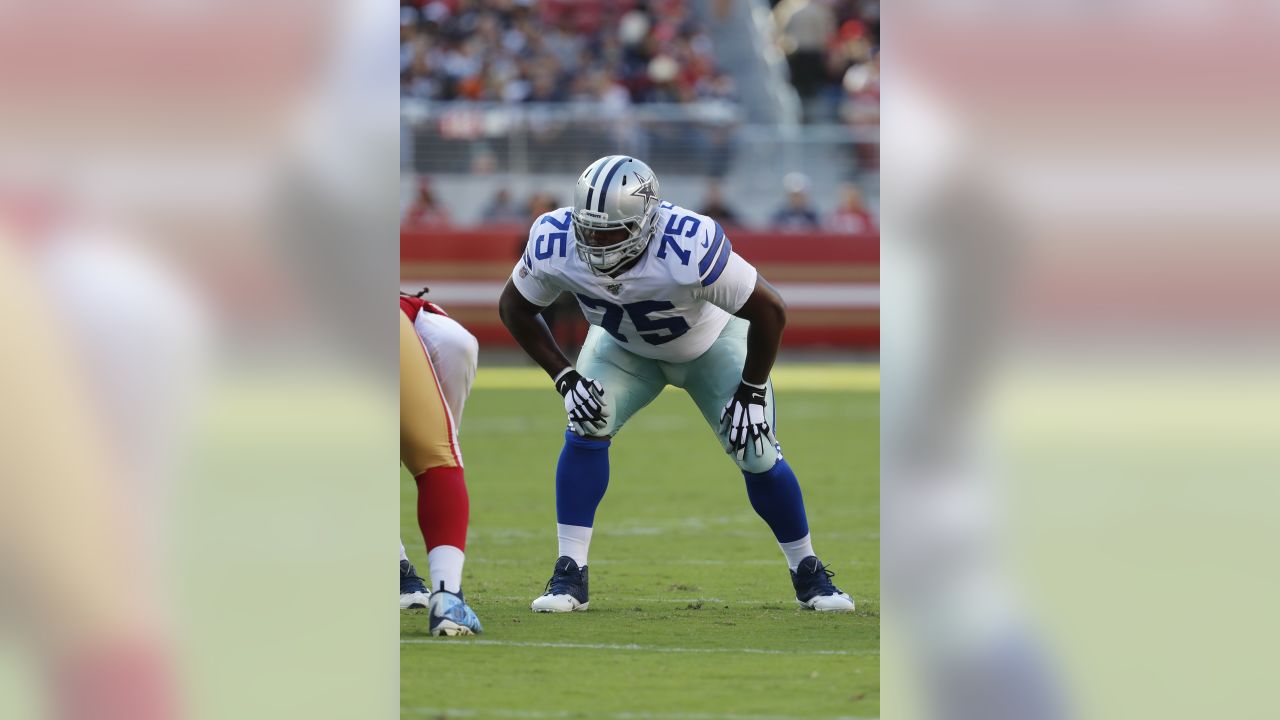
<point>429,450</point>
<point>670,303</point>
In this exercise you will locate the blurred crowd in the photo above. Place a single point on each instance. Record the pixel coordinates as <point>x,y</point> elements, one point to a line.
<point>795,213</point>
<point>833,52</point>
<point>427,211</point>
<point>516,51</point>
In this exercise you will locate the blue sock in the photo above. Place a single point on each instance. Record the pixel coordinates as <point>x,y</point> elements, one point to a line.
<point>582,476</point>
<point>775,495</point>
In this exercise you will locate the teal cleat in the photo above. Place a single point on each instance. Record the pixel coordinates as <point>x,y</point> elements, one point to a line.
<point>450,615</point>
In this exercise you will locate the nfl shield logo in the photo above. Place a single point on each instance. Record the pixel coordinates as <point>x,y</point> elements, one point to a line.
<point>524,273</point>
<point>614,288</point>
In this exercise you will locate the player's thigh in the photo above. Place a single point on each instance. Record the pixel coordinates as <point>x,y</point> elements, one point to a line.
<point>427,437</point>
<point>711,380</point>
<point>454,354</point>
<point>630,382</point>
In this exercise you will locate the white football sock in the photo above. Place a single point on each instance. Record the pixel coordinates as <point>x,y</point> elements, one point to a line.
<point>797,550</point>
<point>403,557</point>
<point>574,542</point>
<point>445,565</point>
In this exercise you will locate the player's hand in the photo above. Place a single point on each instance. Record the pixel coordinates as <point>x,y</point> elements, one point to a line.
<point>743,420</point>
<point>584,401</point>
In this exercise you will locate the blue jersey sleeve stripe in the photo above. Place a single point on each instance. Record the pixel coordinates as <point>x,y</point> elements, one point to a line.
<point>719,267</point>
<point>527,262</point>
<point>709,258</point>
<point>604,189</point>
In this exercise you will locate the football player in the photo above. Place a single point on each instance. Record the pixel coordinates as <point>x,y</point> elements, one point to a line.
<point>429,449</point>
<point>670,303</point>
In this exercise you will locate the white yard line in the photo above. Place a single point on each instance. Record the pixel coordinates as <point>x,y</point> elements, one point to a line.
<point>630,647</point>
<point>632,598</point>
<point>665,561</point>
<point>619,601</point>
<point>499,534</point>
<point>627,715</point>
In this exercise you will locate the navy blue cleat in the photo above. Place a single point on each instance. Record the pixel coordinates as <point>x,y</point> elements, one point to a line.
<point>566,590</point>
<point>814,589</point>
<point>414,594</point>
<point>450,615</point>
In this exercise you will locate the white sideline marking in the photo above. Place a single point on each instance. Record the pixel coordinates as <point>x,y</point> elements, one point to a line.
<point>629,715</point>
<point>679,561</point>
<point>634,647</point>
<point>632,598</point>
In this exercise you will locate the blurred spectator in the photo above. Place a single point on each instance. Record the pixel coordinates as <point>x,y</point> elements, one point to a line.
<point>851,216</point>
<point>796,215</point>
<point>806,28</point>
<point>714,207</point>
<point>861,85</point>
<point>540,203</point>
<point>823,40</point>
<point>520,51</point>
<point>503,209</point>
<point>424,211</point>
<point>861,108</point>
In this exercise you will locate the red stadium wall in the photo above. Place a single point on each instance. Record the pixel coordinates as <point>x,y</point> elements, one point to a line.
<point>831,282</point>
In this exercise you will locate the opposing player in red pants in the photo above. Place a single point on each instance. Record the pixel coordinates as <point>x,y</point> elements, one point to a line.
<point>429,450</point>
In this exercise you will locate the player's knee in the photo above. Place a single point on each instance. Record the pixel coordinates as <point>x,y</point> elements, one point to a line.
<point>757,464</point>
<point>604,434</point>
<point>424,446</point>
<point>420,456</point>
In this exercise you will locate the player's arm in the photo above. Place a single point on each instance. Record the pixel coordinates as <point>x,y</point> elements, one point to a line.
<point>731,283</point>
<point>583,397</point>
<point>744,419</point>
<point>525,323</point>
<point>767,313</point>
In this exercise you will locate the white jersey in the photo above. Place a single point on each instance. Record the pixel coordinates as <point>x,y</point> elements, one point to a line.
<point>670,306</point>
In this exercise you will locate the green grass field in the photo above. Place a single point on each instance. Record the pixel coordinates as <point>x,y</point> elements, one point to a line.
<point>692,614</point>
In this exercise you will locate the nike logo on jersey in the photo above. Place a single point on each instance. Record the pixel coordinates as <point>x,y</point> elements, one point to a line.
<point>706,243</point>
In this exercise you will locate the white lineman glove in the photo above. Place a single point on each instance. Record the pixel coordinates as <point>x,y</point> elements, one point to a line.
<point>743,420</point>
<point>584,401</point>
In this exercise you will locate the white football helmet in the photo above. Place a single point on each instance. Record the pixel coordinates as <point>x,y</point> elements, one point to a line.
<point>614,192</point>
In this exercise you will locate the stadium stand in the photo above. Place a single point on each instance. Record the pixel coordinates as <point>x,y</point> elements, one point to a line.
<point>613,53</point>
<point>503,100</point>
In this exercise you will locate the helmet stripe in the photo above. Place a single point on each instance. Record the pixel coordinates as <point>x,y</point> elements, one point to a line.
<point>607,178</point>
<point>592,187</point>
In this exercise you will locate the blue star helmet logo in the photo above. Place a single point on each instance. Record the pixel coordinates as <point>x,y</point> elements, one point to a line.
<point>645,190</point>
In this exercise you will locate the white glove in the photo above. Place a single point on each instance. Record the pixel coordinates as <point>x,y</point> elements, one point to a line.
<point>584,402</point>
<point>743,420</point>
